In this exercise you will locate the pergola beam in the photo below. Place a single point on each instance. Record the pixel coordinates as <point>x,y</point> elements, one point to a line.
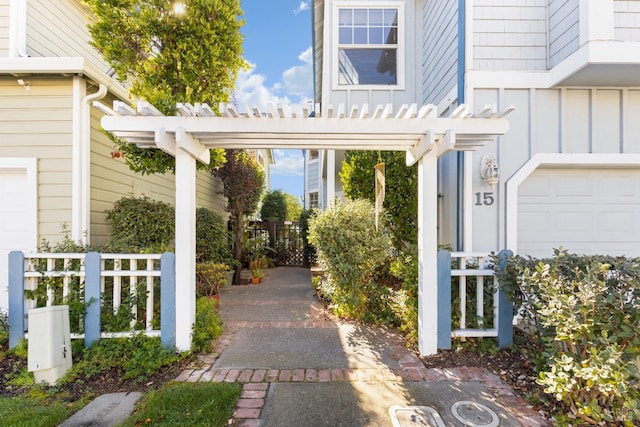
<point>419,132</point>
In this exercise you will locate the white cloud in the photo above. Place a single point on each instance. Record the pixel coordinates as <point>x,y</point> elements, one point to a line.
<point>288,162</point>
<point>298,80</point>
<point>304,5</point>
<point>293,91</point>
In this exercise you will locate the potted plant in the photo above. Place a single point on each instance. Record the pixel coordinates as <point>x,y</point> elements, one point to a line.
<point>210,277</point>
<point>256,271</point>
<point>256,275</point>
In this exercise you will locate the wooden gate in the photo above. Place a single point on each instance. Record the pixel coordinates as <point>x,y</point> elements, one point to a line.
<point>283,239</point>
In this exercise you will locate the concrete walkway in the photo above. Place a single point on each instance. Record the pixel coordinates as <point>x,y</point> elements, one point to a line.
<point>301,367</point>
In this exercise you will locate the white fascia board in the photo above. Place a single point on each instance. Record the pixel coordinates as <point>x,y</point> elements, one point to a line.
<point>595,52</point>
<point>62,65</point>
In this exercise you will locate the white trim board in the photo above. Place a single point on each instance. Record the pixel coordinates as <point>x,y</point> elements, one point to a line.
<point>555,159</point>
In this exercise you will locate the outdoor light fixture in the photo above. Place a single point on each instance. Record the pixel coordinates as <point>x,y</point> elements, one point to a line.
<point>25,85</point>
<point>489,170</point>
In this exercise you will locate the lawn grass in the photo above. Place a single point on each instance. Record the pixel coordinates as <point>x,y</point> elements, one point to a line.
<point>27,412</point>
<point>187,404</point>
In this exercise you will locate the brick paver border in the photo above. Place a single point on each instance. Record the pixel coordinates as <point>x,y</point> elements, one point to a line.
<point>256,382</point>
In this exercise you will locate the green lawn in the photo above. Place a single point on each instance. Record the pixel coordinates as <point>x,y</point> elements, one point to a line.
<point>28,412</point>
<point>186,404</point>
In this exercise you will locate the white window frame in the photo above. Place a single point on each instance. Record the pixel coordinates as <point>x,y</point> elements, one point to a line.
<point>400,49</point>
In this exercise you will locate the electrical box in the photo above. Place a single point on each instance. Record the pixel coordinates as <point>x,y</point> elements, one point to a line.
<point>49,354</point>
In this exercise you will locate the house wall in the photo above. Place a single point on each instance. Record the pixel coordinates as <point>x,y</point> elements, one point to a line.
<point>38,124</point>
<point>510,35</point>
<point>111,179</point>
<point>561,120</point>
<point>564,29</point>
<point>4,28</point>
<point>58,29</point>
<point>439,49</point>
<point>375,96</point>
<point>626,20</point>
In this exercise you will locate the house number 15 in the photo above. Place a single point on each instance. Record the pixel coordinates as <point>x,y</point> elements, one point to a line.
<point>484,199</point>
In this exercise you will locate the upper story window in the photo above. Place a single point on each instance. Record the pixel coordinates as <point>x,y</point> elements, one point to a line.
<point>369,50</point>
<point>313,155</point>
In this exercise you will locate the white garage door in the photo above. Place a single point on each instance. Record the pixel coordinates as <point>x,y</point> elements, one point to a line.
<point>16,221</point>
<point>586,211</point>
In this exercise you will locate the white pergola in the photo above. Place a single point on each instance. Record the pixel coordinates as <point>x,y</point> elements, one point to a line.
<point>197,128</point>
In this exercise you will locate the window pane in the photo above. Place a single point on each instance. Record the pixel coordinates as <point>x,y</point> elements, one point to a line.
<point>391,17</point>
<point>376,35</point>
<point>360,35</point>
<point>367,67</point>
<point>390,36</point>
<point>360,16</point>
<point>345,36</point>
<point>375,16</point>
<point>345,17</point>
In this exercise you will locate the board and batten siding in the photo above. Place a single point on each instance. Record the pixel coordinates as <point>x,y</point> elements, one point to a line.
<point>59,29</point>
<point>38,124</point>
<point>4,28</point>
<point>111,179</point>
<point>510,35</point>
<point>562,120</point>
<point>626,20</point>
<point>564,29</point>
<point>439,49</point>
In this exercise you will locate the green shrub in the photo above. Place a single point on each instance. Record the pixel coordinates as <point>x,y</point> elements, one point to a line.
<point>309,252</point>
<point>142,223</point>
<point>212,237</point>
<point>135,358</point>
<point>208,325</point>
<point>586,312</point>
<point>350,250</point>
<point>405,268</point>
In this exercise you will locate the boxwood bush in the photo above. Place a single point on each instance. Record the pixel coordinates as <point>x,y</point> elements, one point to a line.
<point>586,312</point>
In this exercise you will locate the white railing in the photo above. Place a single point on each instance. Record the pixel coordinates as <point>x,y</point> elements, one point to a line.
<point>113,280</point>
<point>478,266</point>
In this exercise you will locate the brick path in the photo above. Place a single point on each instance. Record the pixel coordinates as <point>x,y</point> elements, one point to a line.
<point>256,382</point>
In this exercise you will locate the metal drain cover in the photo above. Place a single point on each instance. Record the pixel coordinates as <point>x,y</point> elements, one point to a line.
<point>474,414</point>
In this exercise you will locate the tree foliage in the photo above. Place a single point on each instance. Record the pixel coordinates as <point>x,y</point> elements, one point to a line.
<point>243,180</point>
<point>401,201</point>
<point>294,207</point>
<point>274,206</point>
<point>169,56</point>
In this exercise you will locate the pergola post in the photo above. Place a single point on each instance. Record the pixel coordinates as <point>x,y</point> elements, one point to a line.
<point>185,289</point>
<point>428,253</point>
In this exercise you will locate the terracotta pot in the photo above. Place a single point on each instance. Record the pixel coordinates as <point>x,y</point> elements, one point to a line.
<point>256,280</point>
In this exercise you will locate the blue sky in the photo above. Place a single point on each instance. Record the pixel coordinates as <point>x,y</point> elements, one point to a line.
<point>277,43</point>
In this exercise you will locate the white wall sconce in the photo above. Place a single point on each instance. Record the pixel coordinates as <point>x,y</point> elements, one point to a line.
<point>489,171</point>
<point>26,85</point>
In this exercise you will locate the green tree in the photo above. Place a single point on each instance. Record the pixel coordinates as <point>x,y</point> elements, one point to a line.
<point>274,206</point>
<point>243,181</point>
<point>169,55</point>
<point>401,200</point>
<point>294,207</point>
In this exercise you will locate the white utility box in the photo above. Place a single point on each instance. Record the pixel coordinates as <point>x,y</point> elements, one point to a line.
<point>49,355</point>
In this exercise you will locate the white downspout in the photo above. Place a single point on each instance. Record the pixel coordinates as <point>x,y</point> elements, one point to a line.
<point>18,28</point>
<point>81,164</point>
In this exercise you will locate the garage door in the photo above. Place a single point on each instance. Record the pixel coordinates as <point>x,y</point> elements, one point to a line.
<point>16,221</point>
<point>586,211</point>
